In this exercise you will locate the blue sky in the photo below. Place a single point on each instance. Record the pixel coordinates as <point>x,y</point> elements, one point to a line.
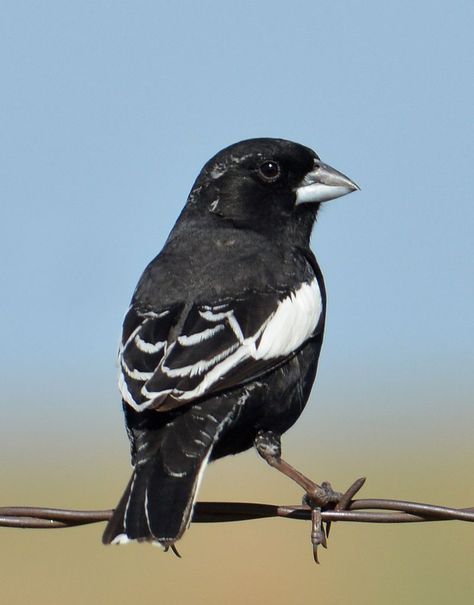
<point>109,110</point>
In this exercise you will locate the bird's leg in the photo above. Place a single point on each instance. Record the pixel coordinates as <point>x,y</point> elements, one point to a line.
<point>268,445</point>
<point>317,497</point>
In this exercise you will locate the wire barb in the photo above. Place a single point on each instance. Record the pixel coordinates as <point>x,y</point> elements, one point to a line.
<point>346,499</point>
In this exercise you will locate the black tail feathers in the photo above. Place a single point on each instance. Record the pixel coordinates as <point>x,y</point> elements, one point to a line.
<point>169,459</point>
<point>157,504</point>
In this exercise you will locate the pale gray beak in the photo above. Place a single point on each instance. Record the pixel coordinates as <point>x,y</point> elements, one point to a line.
<point>323,183</point>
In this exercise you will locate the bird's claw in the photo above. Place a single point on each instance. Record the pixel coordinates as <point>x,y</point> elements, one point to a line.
<point>323,497</point>
<point>318,535</point>
<point>173,549</point>
<point>318,498</point>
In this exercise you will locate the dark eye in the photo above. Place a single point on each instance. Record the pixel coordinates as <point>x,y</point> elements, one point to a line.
<point>269,170</point>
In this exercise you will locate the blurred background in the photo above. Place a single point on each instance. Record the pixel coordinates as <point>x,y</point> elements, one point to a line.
<point>109,110</point>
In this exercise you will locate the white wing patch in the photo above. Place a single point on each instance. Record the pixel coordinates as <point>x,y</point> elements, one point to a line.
<point>190,366</point>
<point>292,323</point>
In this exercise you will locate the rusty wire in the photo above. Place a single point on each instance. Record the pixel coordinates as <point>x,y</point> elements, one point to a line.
<point>367,510</point>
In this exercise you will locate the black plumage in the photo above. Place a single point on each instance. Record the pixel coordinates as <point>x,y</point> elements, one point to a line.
<point>223,335</point>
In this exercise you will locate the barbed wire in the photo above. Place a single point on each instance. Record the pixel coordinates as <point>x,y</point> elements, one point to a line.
<point>366,510</point>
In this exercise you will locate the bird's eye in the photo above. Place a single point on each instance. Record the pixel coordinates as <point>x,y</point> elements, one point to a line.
<point>269,170</point>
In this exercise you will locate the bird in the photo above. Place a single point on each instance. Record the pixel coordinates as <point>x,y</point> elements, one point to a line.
<point>221,341</point>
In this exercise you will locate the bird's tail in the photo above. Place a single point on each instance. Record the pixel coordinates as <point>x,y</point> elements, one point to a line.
<point>158,502</point>
<point>156,505</point>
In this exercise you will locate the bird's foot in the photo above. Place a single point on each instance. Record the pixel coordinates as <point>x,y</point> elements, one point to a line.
<point>318,532</point>
<point>318,497</point>
<point>321,496</point>
<point>268,445</point>
<point>333,501</point>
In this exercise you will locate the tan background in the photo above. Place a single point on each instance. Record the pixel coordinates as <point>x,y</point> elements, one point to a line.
<point>261,561</point>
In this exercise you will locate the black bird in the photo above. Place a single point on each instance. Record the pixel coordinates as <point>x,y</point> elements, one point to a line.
<point>221,341</point>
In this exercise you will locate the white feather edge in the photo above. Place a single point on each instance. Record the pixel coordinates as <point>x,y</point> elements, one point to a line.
<point>286,329</point>
<point>163,544</point>
<point>188,513</point>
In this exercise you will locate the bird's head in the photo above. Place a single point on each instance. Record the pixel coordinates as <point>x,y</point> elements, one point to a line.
<point>266,183</point>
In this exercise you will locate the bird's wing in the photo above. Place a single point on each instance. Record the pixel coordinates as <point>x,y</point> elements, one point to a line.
<point>171,358</point>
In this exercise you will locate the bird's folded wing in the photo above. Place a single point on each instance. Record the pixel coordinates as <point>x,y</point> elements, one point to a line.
<point>215,347</point>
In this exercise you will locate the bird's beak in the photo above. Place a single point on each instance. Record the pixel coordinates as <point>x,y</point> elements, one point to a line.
<point>323,183</point>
